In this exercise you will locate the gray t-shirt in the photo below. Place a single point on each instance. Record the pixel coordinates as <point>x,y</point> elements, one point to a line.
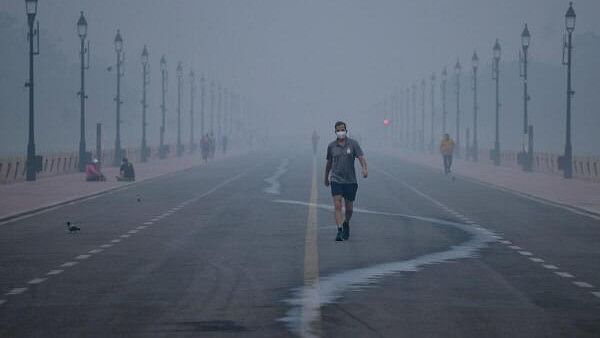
<point>342,160</point>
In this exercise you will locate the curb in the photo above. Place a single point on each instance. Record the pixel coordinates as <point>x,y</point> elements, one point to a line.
<point>572,208</point>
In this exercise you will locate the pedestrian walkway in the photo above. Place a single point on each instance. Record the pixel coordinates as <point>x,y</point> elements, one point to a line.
<point>570,192</point>
<point>26,197</point>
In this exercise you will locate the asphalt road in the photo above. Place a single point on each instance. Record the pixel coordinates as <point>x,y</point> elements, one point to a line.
<point>234,249</point>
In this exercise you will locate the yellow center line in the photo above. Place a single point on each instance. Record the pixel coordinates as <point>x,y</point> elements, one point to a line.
<point>311,261</point>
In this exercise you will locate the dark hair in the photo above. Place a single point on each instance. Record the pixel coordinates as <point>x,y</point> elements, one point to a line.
<point>340,123</point>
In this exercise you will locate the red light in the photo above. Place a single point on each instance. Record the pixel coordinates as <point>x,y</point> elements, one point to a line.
<point>386,122</point>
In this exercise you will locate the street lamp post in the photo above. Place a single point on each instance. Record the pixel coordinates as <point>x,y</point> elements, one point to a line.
<point>444,112</point>
<point>566,162</point>
<point>496,76</point>
<point>414,116</point>
<point>457,70</point>
<point>31,10</point>
<point>407,117</point>
<point>526,153</point>
<point>202,103</point>
<point>82,32</point>
<point>192,97</point>
<point>179,85</point>
<point>119,49</point>
<point>431,131</point>
<point>475,148</point>
<point>163,108</point>
<point>144,105</point>
<point>422,134</point>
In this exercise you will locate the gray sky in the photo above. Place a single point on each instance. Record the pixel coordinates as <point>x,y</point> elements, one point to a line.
<point>319,57</point>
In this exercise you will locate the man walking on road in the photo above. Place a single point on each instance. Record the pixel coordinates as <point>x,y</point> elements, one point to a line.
<point>340,174</point>
<point>447,149</point>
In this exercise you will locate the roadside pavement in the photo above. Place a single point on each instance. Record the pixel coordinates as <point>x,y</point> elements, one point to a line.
<point>575,193</point>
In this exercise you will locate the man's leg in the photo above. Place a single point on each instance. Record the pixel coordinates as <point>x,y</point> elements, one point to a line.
<point>445,163</point>
<point>449,163</point>
<point>339,217</point>
<point>349,210</point>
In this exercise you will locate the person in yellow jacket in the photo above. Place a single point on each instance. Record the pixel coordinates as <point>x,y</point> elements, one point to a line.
<point>447,149</point>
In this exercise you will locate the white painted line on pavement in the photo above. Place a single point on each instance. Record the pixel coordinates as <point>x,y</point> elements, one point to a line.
<point>106,245</point>
<point>37,281</point>
<point>16,291</point>
<point>550,266</point>
<point>596,293</point>
<point>583,284</point>
<point>132,231</point>
<point>54,272</point>
<point>148,223</point>
<point>2,301</point>
<point>564,274</point>
<point>515,247</point>
<point>124,236</point>
<point>273,181</point>
<point>525,253</point>
<point>506,242</point>
<point>95,251</point>
<point>81,257</point>
<point>536,259</point>
<point>68,264</point>
<point>115,240</point>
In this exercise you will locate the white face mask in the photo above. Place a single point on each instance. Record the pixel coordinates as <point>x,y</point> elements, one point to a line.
<point>341,134</point>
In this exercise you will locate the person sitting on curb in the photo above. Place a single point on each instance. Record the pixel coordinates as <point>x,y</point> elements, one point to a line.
<point>126,171</point>
<point>93,173</point>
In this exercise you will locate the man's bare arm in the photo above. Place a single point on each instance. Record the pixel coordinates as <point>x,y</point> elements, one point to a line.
<point>363,163</point>
<point>327,170</point>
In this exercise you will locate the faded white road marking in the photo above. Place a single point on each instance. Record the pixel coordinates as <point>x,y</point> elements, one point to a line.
<point>68,264</point>
<point>535,259</point>
<point>583,284</point>
<point>2,301</point>
<point>16,291</point>
<point>550,266</point>
<point>124,236</point>
<point>54,272</point>
<point>115,241</point>
<point>515,247</point>
<point>564,274</point>
<point>525,253</point>
<point>106,245</point>
<point>132,231</point>
<point>307,301</point>
<point>505,242</point>
<point>148,223</point>
<point>275,186</point>
<point>37,281</point>
<point>95,251</point>
<point>82,257</point>
<point>596,293</point>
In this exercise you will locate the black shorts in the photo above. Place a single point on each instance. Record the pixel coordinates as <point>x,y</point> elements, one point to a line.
<point>346,190</point>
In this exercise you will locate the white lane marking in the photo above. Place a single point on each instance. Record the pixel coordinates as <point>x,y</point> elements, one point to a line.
<point>515,247</point>
<point>16,291</point>
<point>142,227</point>
<point>564,274</point>
<point>550,266</point>
<point>54,272</point>
<point>536,259</point>
<point>124,236</point>
<point>275,186</point>
<point>583,284</point>
<point>132,231</point>
<point>95,251</point>
<point>148,223</point>
<point>307,301</point>
<point>525,253</point>
<point>36,281</point>
<point>155,219</point>
<point>115,240</point>
<point>596,293</point>
<point>106,245</point>
<point>2,301</point>
<point>68,264</point>
<point>81,257</point>
<point>506,242</point>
